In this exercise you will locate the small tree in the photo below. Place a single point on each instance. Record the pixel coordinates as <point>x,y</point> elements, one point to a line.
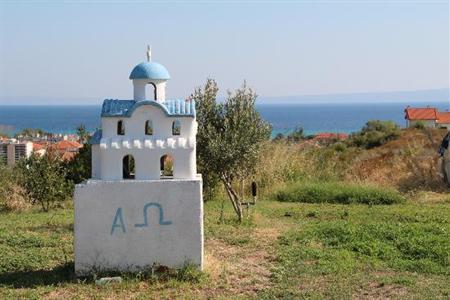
<point>30,132</point>
<point>375,133</point>
<point>419,125</point>
<point>229,137</point>
<point>43,179</point>
<point>296,135</point>
<point>82,133</point>
<point>78,169</point>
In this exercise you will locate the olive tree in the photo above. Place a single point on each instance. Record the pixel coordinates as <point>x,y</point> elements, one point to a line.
<point>83,134</point>
<point>229,136</point>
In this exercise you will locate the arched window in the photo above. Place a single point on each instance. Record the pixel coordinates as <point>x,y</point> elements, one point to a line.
<point>148,127</point>
<point>166,165</point>
<point>128,167</point>
<point>150,92</point>
<point>176,127</point>
<point>120,128</point>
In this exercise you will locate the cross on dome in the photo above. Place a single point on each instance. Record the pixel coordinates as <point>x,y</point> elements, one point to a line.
<point>149,53</point>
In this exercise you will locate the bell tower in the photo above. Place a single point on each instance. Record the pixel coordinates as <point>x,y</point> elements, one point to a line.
<point>149,73</point>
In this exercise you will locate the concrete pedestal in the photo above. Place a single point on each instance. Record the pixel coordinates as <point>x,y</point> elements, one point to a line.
<point>130,225</point>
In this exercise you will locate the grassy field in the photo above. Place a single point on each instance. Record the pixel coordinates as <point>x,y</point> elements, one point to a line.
<point>284,250</point>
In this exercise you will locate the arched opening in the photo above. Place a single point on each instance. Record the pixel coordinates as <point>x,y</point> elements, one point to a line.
<point>151,90</point>
<point>166,166</point>
<point>120,128</point>
<point>128,167</point>
<point>176,127</point>
<point>148,127</point>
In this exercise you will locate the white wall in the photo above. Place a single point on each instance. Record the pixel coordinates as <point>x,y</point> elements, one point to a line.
<point>110,231</point>
<point>141,90</point>
<point>146,149</point>
<point>427,123</point>
<point>147,163</point>
<point>95,162</point>
<point>443,125</point>
<point>12,149</point>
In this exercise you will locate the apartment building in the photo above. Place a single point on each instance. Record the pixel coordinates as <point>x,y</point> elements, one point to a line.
<point>11,151</point>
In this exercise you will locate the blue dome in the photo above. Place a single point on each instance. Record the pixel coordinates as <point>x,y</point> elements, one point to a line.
<point>150,70</point>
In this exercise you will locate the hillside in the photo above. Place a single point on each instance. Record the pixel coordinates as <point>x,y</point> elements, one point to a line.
<point>409,163</point>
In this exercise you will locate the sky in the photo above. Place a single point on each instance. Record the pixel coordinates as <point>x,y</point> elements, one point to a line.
<point>68,52</point>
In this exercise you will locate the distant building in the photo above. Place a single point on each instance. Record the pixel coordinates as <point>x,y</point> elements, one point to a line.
<point>428,116</point>
<point>443,119</point>
<point>40,148</point>
<point>12,151</point>
<point>65,149</point>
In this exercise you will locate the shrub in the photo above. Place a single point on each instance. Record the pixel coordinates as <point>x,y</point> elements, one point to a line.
<point>43,179</point>
<point>375,133</point>
<point>78,169</point>
<point>279,137</point>
<point>12,196</point>
<point>297,135</point>
<point>419,125</point>
<point>338,192</point>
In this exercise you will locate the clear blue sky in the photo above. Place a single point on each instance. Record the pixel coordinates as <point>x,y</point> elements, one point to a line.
<point>68,51</point>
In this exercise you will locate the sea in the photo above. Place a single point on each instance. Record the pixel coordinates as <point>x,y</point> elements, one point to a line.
<point>313,118</point>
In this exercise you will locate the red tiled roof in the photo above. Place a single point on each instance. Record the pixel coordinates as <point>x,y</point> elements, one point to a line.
<point>428,113</point>
<point>330,135</point>
<point>37,146</point>
<point>68,155</point>
<point>443,117</point>
<point>66,145</point>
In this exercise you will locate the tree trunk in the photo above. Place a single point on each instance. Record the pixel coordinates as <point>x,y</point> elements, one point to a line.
<point>234,198</point>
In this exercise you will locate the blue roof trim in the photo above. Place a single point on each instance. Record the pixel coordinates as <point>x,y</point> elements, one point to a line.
<point>96,137</point>
<point>125,108</point>
<point>116,108</point>
<point>150,70</point>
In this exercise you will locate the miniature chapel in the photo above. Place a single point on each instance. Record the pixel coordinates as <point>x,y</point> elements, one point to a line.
<point>143,205</point>
<point>140,137</point>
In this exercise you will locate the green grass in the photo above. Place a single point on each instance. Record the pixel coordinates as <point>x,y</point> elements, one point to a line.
<point>336,251</point>
<point>338,192</point>
<point>309,251</point>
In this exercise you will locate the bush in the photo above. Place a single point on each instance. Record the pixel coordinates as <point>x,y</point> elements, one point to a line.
<point>297,135</point>
<point>375,133</point>
<point>12,196</point>
<point>78,169</point>
<point>337,192</point>
<point>44,180</point>
<point>419,125</point>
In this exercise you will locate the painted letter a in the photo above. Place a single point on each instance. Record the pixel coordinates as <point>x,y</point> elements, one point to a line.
<point>118,221</point>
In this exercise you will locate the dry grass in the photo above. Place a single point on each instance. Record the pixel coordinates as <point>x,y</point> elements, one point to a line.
<point>13,198</point>
<point>409,164</point>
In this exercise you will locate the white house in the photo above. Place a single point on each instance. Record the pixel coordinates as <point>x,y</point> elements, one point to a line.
<point>443,120</point>
<point>143,205</point>
<point>428,116</point>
